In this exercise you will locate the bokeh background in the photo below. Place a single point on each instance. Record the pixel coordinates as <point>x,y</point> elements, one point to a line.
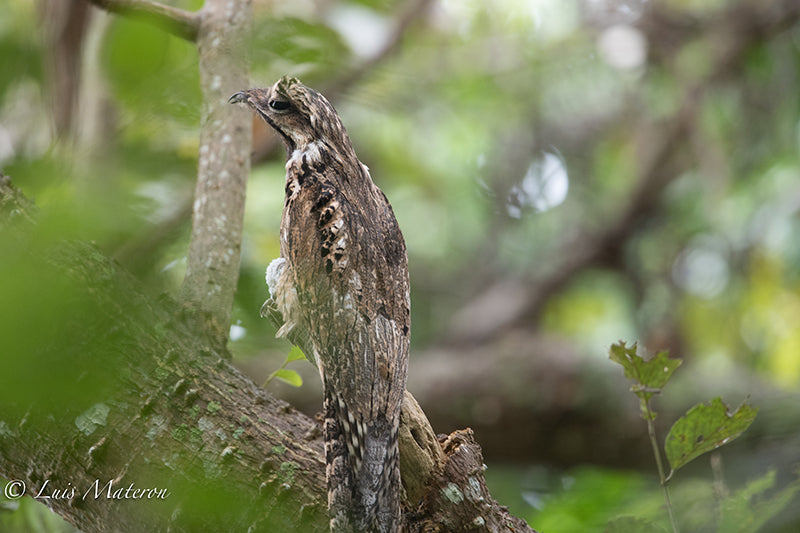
<point>567,173</point>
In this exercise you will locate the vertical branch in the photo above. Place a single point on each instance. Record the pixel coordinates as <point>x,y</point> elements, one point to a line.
<point>65,26</point>
<point>223,165</point>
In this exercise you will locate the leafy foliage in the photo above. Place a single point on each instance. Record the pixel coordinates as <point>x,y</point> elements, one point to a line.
<point>594,499</point>
<point>288,376</point>
<point>153,74</point>
<point>754,505</point>
<point>705,428</point>
<point>584,499</point>
<point>702,429</point>
<point>648,377</point>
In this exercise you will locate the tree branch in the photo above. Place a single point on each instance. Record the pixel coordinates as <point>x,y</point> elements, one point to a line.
<point>212,267</point>
<point>65,26</point>
<point>178,22</point>
<point>143,400</point>
<point>734,32</point>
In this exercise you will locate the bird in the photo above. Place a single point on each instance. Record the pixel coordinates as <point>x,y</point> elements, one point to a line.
<point>341,284</point>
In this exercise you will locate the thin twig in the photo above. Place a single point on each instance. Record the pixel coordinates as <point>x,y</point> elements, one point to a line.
<point>651,432</point>
<point>178,22</point>
<point>720,490</point>
<point>275,373</point>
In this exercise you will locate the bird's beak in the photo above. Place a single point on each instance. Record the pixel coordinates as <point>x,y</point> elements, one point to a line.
<point>238,98</point>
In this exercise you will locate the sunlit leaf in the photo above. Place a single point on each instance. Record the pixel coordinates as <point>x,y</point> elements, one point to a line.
<point>289,376</point>
<point>704,428</point>
<point>295,354</point>
<point>648,376</point>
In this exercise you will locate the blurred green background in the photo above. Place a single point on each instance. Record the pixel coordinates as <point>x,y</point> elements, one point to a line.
<point>567,173</point>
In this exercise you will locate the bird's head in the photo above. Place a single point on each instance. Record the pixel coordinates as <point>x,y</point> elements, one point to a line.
<point>300,115</point>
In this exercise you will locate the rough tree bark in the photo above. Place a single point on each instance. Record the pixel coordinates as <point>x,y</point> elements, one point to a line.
<point>212,267</point>
<point>166,434</point>
<point>221,31</point>
<point>164,410</point>
<point>158,405</point>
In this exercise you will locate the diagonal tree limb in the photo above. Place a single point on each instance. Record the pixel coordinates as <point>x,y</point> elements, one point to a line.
<point>734,31</point>
<point>143,400</point>
<point>178,22</point>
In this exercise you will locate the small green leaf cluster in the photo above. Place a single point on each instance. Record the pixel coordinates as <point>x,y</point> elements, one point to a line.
<point>285,374</point>
<point>702,429</point>
<point>647,377</point>
<point>705,428</point>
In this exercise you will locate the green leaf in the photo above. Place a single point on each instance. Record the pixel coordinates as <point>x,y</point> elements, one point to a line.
<point>295,354</point>
<point>649,376</point>
<point>289,376</point>
<point>704,428</point>
<point>631,524</point>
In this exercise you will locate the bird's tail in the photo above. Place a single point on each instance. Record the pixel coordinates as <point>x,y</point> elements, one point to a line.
<point>363,471</point>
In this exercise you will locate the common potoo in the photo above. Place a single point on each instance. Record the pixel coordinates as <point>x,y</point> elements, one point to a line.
<point>341,284</point>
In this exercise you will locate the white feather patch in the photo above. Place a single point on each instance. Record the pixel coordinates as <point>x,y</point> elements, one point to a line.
<point>273,273</point>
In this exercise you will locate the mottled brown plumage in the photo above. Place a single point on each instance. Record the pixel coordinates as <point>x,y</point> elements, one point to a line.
<point>341,284</point>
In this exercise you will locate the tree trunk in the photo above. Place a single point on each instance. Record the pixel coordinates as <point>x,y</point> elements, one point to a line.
<point>119,415</point>
<point>212,267</point>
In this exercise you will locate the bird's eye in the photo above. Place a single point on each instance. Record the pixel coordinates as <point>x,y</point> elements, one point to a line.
<point>279,105</point>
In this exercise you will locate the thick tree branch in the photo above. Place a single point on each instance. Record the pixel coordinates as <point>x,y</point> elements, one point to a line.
<point>143,400</point>
<point>178,22</point>
<point>443,478</point>
<point>663,143</point>
<point>221,30</point>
